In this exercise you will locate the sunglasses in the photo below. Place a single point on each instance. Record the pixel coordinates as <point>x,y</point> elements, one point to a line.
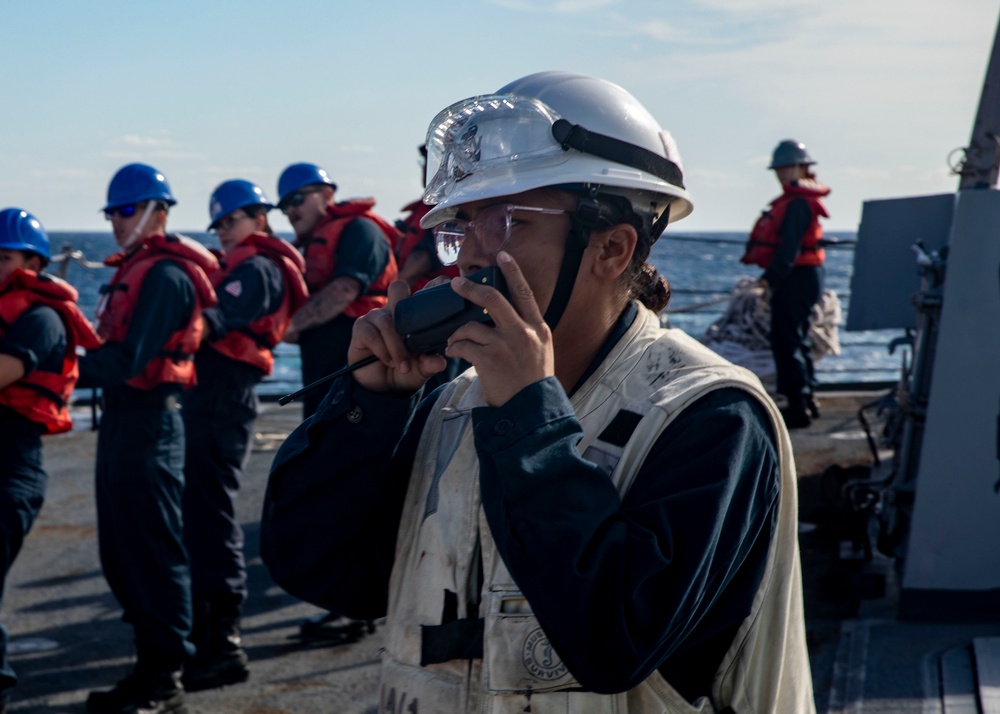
<point>294,200</point>
<point>126,211</point>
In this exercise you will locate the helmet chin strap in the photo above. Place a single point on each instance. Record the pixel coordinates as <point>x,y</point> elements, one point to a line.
<point>143,220</point>
<point>583,220</point>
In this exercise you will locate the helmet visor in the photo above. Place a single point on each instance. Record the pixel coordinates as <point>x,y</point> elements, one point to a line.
<point>488,132</point>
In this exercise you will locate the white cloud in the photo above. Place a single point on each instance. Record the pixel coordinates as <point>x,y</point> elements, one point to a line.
<point>145,156</point>
<point>867,173</point>
<point>61,174</point>
<point>144,142</point>
<point>661,31</point>
<point>574,6</point>
<point>564,7</point>
<point>718,179</point>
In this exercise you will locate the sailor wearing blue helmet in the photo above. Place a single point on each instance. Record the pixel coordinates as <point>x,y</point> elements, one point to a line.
<point>40,328</point>
<point>151,318</point>
<point>260,284</point>
<point>348,250</point>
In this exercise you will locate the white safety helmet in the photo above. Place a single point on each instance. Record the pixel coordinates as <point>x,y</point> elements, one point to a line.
<point>553,129</point>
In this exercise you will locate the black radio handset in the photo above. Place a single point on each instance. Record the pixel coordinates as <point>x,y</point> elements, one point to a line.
<point>429,317</point>
<point>426,320</point>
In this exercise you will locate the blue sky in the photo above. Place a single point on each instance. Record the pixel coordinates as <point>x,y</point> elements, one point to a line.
<point>881,91</point>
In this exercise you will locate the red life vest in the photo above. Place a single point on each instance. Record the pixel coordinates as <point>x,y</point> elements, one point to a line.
<point>175,362</point>
<point>42,396</point>
<point>765,238</point>
<point>412,235</point>
<point>321,254</point>
<point>255,342</point>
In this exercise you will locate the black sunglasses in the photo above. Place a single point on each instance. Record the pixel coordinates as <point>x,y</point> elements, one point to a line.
<point>293,200</point>
<point>126,211</point>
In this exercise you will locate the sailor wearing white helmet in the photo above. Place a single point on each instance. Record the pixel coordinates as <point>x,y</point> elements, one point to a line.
<point>600,515</point>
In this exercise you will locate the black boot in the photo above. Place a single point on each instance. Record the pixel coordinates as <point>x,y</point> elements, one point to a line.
<point>795,414</point>
<point>220,658</point>
<point>143,691</point>
<point>813,406</point>
<point>335,629</point>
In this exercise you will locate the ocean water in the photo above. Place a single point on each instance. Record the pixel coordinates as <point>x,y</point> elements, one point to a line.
<point>701,267</point>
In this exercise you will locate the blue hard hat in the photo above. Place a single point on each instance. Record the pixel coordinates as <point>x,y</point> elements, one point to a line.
<point>790,153</point>
<point>19,230</point>
<point>232,195</point>
<point>298,175</point>
<point>135,183</point>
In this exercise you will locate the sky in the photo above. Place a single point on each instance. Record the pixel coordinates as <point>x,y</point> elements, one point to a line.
<point>882,92</point>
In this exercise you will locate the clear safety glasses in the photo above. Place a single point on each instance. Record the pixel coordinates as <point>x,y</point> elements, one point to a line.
<point>491,227</point>
<point>487,132</point>
<point>227,222</point>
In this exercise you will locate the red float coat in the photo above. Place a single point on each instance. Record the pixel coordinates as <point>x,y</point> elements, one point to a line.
<point>254,343</point>
<point>412,235</point>
<point>321,254</point>
<point>42,396</point>
<point>175,361</point>
<point>765,236</point>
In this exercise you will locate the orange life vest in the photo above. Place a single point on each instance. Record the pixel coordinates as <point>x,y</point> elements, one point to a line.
<point>321,254</point>
<point>42,396</point>
<point>254,343</point>
<point>175,361</point>
<point>412,235</point>
<point>765,238</point>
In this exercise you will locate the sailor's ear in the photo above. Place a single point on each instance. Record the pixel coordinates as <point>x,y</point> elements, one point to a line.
<point>614,248</point>
<point>33,261</point>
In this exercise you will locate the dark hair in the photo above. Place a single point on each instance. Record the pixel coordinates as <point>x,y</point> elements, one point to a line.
<point>259,210</point>
<point>29,254</point>
<point>644,282</point>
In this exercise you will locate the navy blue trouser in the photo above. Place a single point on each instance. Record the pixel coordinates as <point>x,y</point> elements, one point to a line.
<point>139,485</point>
<point>219,416</point>
<point>323,350</point>
<point>791,304</point>
<point>22,491</point>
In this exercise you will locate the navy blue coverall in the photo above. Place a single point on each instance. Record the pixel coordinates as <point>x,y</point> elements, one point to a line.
<point>697,522</point>
<point>38,339</point>
<point>140,473</point>
<point>219,415</point>
<point>362,254</point>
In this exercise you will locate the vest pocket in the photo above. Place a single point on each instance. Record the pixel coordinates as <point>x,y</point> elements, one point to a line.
<point>517,654</point>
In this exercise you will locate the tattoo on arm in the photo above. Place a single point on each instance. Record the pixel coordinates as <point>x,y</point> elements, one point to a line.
<point>325,305</point>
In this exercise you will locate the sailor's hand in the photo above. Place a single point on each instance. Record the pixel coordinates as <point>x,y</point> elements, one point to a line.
<point>517,351</point>
<point>398,369</point>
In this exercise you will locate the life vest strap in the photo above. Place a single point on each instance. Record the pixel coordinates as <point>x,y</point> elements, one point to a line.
<point>458,639</point>
<point>176,355</point>
<point>45,392</point>
<point>259,339</point>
